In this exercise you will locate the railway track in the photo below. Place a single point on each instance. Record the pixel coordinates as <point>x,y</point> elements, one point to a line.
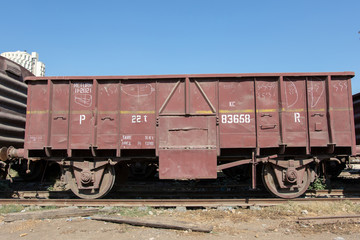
<point>197,203</point>
<point>220,189</point>
<point>340,193</point>
<point>65,198</point>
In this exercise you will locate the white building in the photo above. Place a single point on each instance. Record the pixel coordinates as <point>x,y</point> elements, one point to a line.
<point>30,62</point>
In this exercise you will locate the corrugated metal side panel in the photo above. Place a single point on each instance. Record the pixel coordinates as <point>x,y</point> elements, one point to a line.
<point>13,92</point>
<point>356,102</point>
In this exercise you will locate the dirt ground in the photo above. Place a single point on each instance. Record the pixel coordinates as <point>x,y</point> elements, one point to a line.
<point>278,222</point>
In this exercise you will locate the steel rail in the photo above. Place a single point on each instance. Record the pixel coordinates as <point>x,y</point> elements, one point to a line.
<point>333,192</point>
<point>167,202</point>
<point>133,195</point>
<point>181,193</point>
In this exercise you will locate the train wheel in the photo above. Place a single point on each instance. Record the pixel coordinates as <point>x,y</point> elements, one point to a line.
<point>272,185</point>
<point>106,183</point>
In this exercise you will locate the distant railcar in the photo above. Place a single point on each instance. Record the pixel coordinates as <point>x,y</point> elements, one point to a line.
<point>12,108</point>
<point>191,126</point>
<point>12,103</point>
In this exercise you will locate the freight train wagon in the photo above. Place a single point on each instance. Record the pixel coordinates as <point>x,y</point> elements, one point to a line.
<point>285,126</point>
<point>12,106</point>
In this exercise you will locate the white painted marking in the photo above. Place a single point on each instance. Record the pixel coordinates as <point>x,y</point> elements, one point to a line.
<point>82,118</point>
<point>138,118</point>
<point>235,118</point>
<point>297,117</point>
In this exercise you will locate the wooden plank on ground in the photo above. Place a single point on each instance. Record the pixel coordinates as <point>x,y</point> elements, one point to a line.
<point>328,221</point>
<point>329,217</point>
<point>50,214</point>
<point>178,225</point>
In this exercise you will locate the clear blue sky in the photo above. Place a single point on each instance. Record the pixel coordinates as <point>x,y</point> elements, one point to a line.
<point>175,37</point>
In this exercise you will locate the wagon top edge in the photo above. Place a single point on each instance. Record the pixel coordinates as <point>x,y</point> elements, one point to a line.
<point>7,65</point>
<point>174,76</point>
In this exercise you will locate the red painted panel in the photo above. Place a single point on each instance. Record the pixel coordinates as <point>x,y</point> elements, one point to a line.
<point>187,164</point>
<point>60,115</point>
<point>341,111</point>
<point>108,117</point>
<point>171,97</point>
<point>187,137</point>
<point>37,116</point>
<point>202,96</point>
<point>187,132</point>
<point>137,115</point>
<point>317,107</point>
<point>267,108</point>
<point>237,113</point>
<point>294,112</point>
<point>82,115</point>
